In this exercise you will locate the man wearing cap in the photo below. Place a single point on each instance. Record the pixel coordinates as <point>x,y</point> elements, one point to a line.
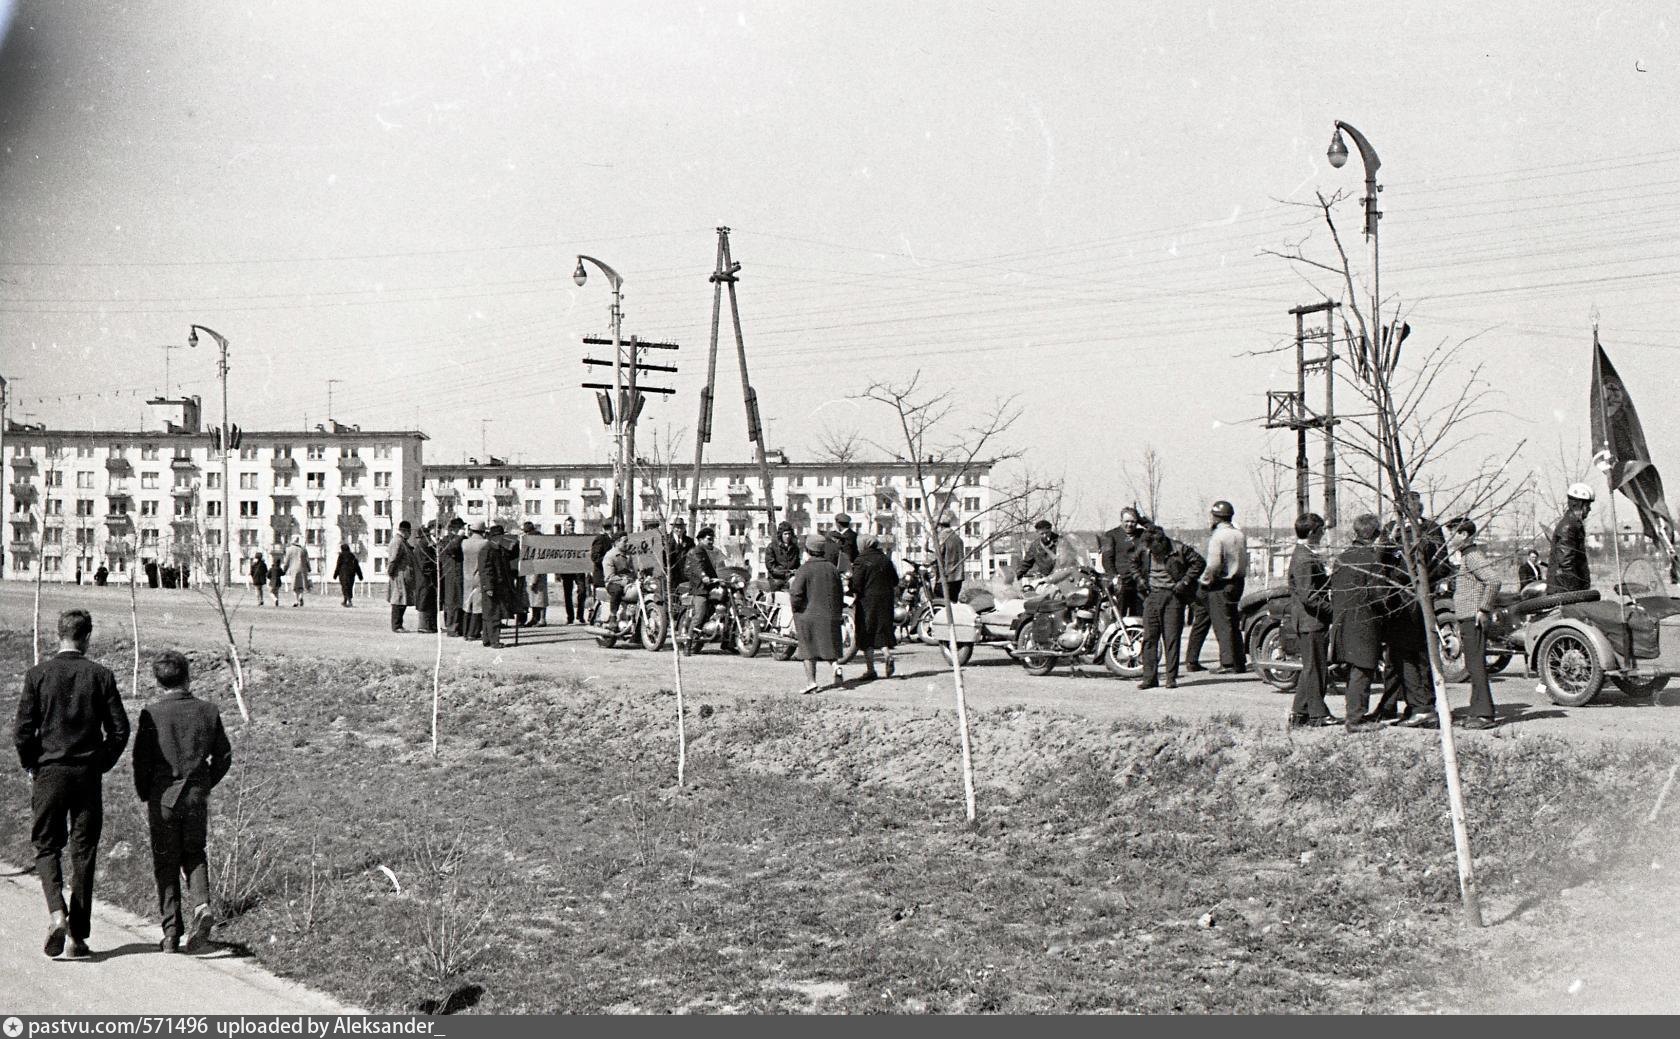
<point>1039,560</point>
<point>472,583</point>
<point>1567,571</point>
<point>782,557</point>
<point>951,553</point>
<point>677,544</point>
<point>700,571</point>
<point>1219,593</point>
<point>1169,570</point>
<point>449,572</point>
<point>495,586</point>
<point>1474,590</point>
<point>1121,547</point>
<point>842,543</point>
<point>399,577</point>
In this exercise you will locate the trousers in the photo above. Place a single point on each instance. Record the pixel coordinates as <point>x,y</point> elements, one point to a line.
<point>1163,623</point>
<point>1474,642</point>
<point>1216,609</point>
<point>179,835</point>
<point>1315,676</point>
<point>1358,693</point>
<point>69,808</point>
<point>572,589</point>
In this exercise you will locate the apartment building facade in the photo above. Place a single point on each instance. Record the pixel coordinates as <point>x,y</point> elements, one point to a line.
<point>75,500</point>
<point>883,497</point>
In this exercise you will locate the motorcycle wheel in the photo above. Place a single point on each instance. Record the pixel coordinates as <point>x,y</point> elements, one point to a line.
<point>1570,668</point>
<point>745,642</point>
<point>1271,648</point>
<point>1634,689</point>
<point>1498,662</point>
<point>783,653</point>
<point>1124,655</point>
<point>605,641</point>
<point>848,638</point>
<point>924,629</point>
<point>654,629</point>
<point>1032,663</point>
<point>965,650</point>
<point>1452,649</point>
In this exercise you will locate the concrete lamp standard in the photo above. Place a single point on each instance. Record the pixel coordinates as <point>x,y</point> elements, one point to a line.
<point>226,571</point>
<point>622,477</point>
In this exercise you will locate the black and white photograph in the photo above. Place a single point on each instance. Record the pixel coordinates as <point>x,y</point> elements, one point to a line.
<point>552,507</point>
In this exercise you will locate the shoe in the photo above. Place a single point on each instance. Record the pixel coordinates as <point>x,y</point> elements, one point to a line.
<point>889,667</point>
<point>1194,667</point>
<point>1425,720</point>
<point>1362,727</point>
<point>869,676</point>
<point>55,934</point>
<point>1231,671</point>
<point>1301,721</point>
<point>198,932</point>
<point>170,943</point>
<point>1148,683</point>
<point>839,676</point>
<point>1169,683</point>
<point>1478,723</point>
<point>808,690</point>
<point>78,950</point>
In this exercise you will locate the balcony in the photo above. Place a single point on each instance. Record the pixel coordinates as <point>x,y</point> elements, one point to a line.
<point>505,495</point>
<point>25,492</point>
<point>740,492</point>
<point>351,464</point>
<point>183,464</point>
<point>119,522</point>
<point>351,523</point>
<point>24,464</point>
<point>284,464</point>
<point>118,466</point>
<point>188,491</point>
<point>284,526</point>
<point>595,493</point>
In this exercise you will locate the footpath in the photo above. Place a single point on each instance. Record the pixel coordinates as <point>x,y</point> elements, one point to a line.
<point>127,974</point>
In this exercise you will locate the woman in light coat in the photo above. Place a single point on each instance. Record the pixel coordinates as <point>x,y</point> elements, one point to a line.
<point>296,569</point>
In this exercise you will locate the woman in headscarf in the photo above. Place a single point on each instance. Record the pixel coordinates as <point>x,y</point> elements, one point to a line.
<point>874,594</point>
<point>817,601</point>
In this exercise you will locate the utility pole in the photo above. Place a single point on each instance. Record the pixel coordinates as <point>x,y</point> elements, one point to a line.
<point>226,445</point>
<point>330,384</point>
<point>725,274</point>
<point>483,440</point>
<point>1288,409</point>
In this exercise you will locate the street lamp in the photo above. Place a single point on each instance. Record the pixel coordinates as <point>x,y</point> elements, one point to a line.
<point>1374,353</point>
<point>221,341</point>
<point>623,478</point>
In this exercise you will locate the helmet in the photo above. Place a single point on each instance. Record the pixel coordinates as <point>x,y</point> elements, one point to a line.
<point>1581,492</point>
<point>1223,510</point>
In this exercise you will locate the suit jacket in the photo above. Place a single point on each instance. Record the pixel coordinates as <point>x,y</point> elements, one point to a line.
<point>952,553</point>
<point>399,572</point>
<point>1184,565</point>
<point>1362,595</point>
<point>348,567</point>
<point>70,713</point>
<point>1528,573</point>
<point>842,546</point>
<point>782,559</point>
<point>1309,591</point>
<point>1568,571</point>
<point>180,742</point>
<point>1039,560</point>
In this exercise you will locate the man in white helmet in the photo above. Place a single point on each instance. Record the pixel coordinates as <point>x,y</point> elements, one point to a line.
<point>1568,569</point>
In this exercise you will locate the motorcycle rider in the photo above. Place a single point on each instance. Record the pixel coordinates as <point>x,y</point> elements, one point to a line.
<point>783,557</point>
<point>1568,570</point>
<point>701,572</point>
<point>1121,546</point>
<point>949,558</point>
<point>1039,560</point>
<point>1169,570</point>
<point>618,566</point>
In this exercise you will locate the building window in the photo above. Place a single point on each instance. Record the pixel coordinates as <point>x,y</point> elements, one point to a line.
<point>562,507</point>
<point>148,508</point>
<point>315,481</point>
<point>314,536</point>
<point>315,509</point>
<point>84,450</point>
<point>149,539</point>
<point>55,478</point>
<point>825,504</point>
<point>84,506</point>
<point>382,508</point>
<point>971,479</point>
<point>351,480</point>
<point>533,483</point>
<point>562,483</point>
<point>797,481</point>
<point>854,481</point>
<point>349,452</point>
<point>504,482</point>
<point>51,536</point>
<point>972,529</point>
<point>474,482</point>
<point>213,538</point>
<point>854,504</point>
<point>913,529</point>
<point>913,504</point>
<point>475,506</point>
<point>971,504</point>
<point>248,510</point>
<point>212,481</point>
<point>84,481</point>
<point>382,451</point>
<point>183,479</point>
<point>148,452</point>
<point>247,481</point>
<point>282,480</point>
<point>55,506</point>
<point>382,480</point>
<point>213,509</point>
<point>247,452</point>
<point>282,450</point>
<point>183,508</point>
<point>533,507</point>
<point>315,452</point>
<point>247,538</point>
<point>825,480</point>
<point>381,536</point>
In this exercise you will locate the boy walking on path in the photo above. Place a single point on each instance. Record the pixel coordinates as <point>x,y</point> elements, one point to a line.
<point>71,728</point>
<point>180,753</point>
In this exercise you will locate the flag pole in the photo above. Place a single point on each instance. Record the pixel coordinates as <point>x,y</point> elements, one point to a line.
<point>1608,466</point>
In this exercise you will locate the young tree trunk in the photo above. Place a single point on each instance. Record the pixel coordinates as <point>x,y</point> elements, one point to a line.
<point>956,676</point>
<point>134,621</point>
<point>437,660</point>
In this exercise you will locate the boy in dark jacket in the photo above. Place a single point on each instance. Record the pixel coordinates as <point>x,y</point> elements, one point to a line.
<point>180,754</point>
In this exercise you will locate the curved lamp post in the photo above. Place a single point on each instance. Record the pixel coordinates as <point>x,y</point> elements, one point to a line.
<point>1338,156</point>
<point>221,341</point>
<point>622,476</point>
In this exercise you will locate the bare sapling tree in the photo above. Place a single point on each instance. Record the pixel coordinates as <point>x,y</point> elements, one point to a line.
<point>656,473</point>
<point>41,515</point>
<point>1145,481</point>
<point>131,546</point>
<point>206,558</point>
<point>945,449</point>
<point>1424,429</point>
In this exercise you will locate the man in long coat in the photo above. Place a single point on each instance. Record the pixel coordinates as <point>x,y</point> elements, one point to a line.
<point>1309,611</point>
<point>399,576</point>
<point>259,574</point>
<point>950,553</point>
<point>472,601</point>
<point>874,595</point>
<point>817,601</point>
<point>347,571</point>
<point>449,572</point>
<point>1362,592</point>
<point>423,589</point>
<point>495,587</point>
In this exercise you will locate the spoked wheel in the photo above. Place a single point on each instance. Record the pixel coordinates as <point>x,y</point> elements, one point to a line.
<point>848,638</point>
<point>965,650</point>
<point>1124,655</point>
<point>1452,651</point>
<point>745,642</point>
<point>1271,650</point>
<point>656,624</point>
<point>1570,668</point>
<point>1027,655</point>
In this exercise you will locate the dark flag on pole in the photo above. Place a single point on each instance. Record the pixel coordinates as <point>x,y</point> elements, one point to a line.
<point>1620,451</point>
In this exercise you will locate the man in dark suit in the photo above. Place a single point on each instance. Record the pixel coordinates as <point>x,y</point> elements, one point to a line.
<point>1528,569</point>
<point>1169,570</point>
<point>181,752</point>
<point>1309,611</point>
<point>449,572</point>
<point>71,729</point>
<point>1121,546</point>
<point>1361,595</point>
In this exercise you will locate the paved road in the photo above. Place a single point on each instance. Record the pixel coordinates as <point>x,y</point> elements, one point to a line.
<point>127,975</point>
<point>324,628</point>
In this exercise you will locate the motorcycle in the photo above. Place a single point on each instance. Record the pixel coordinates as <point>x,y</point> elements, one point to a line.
<point>1085,624</point>
<point>774,613</point>
<point>913,612</point>
<point>734,621</point>
<point>642,616</point>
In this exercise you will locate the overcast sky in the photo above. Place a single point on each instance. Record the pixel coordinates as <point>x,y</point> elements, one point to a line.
<point>1066,202</point>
